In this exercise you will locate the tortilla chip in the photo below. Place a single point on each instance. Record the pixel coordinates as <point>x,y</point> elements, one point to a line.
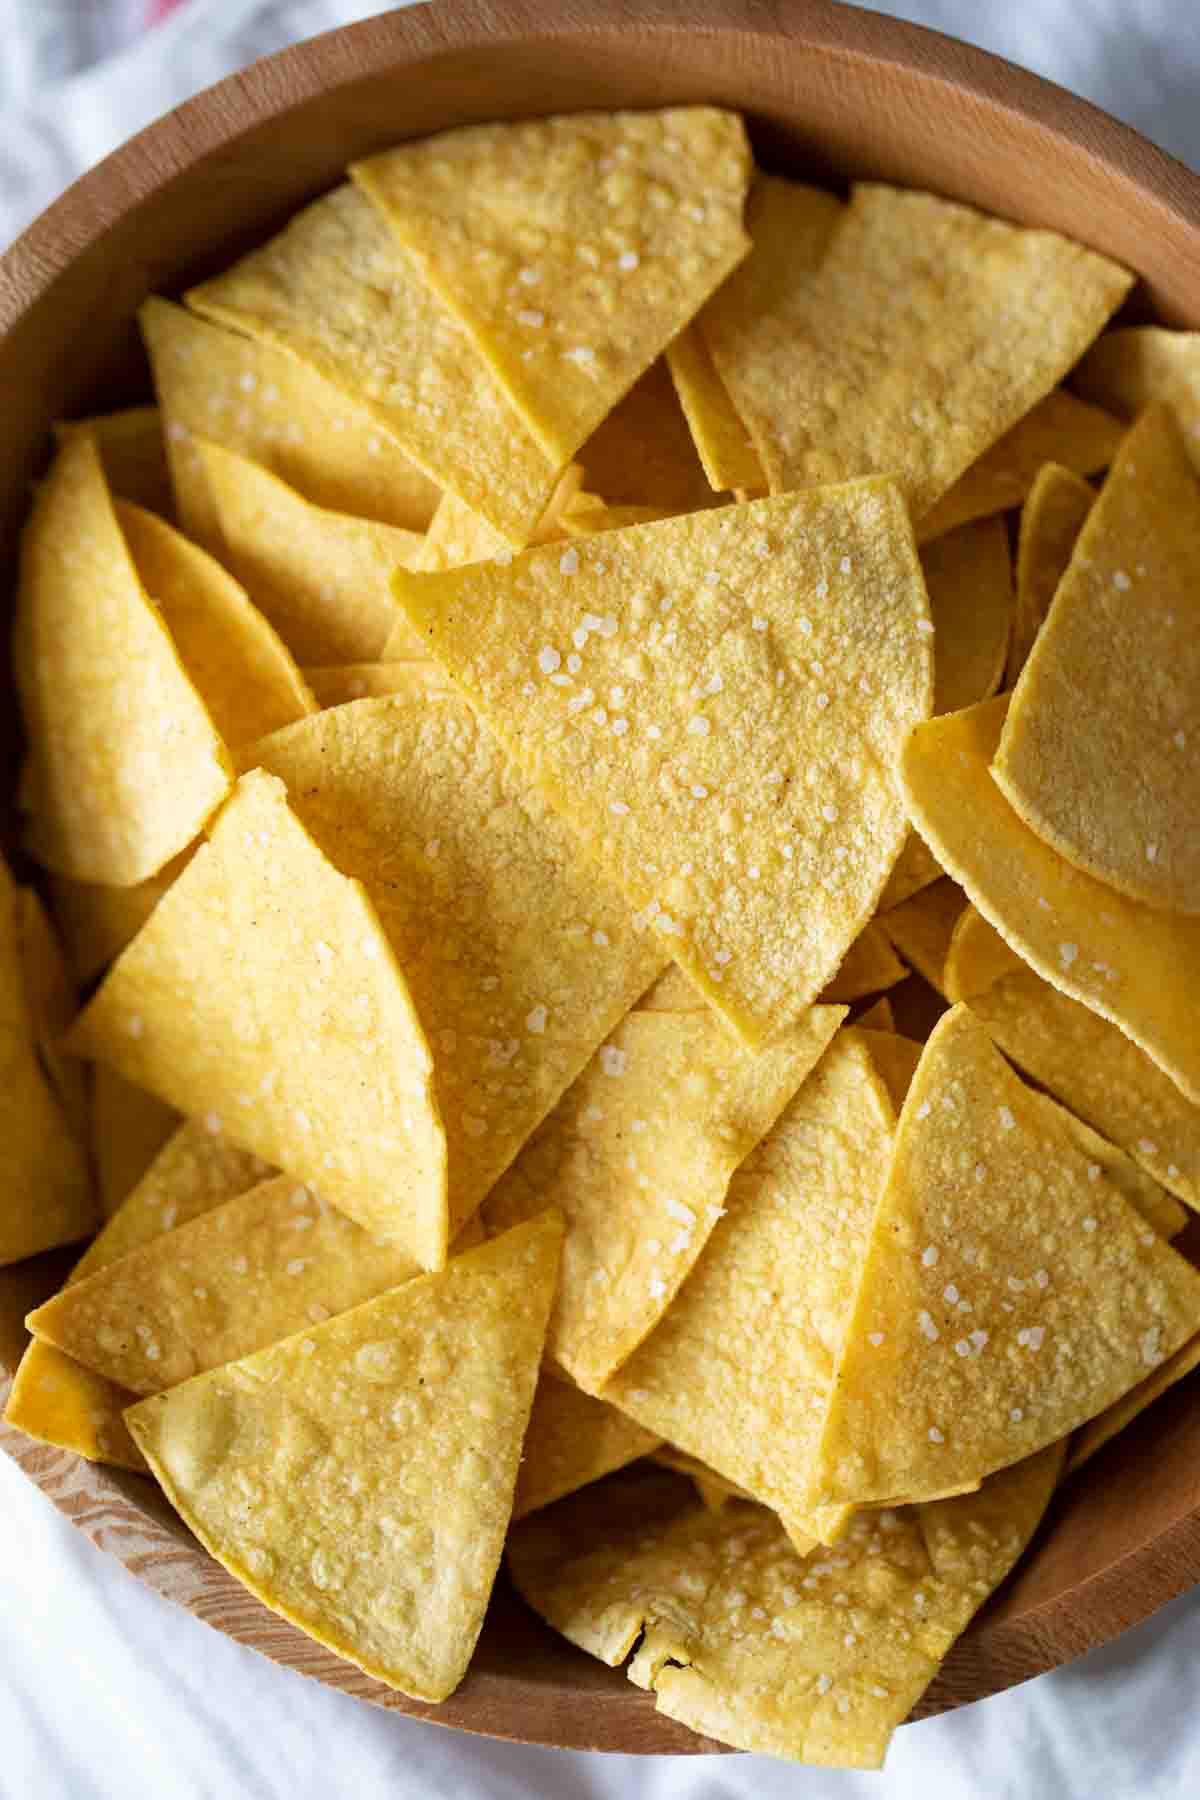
<point>673,993</point>
<point>738,1371</point>
<point>241,1276</point>
<point>868,965</point>
<point>259,937</point>
<point>895,1058</point>
<point>128,764</point>
<point>52,1004</point>
<point>710,716</point>
<point>571,1441</point>
<point>338,684</point>
<point>878,1017</point>
<point>133,454</point>
<point>639,1155</point>
<point>1130,369</point>
<point>457,536</point>
<point>915,868</point>
<point>814,1658</point>
<point>382,1450</point>
<point>1100,1430</point>
<point>922,929</point>
<point>129,1128</point>
<point>969,576</point>
<point>97,921</point>
<point>714,1491</point>
<point>585,519</point>
<point>1094,754</point>
<point>727,456</point>
<point>571,249</point>
<point>1051,520</point>
<point>264,404</point>
<point>976,957</point>
<point>320,577</point>
<point>1006,1296</point>
<point>1133,964</point>
<point>336,291</point>
<point>1058,429</point>
<point>1096,1071</point>
<point>242,670</point>
<point>1160,1209</point>
<point>923,334</point>
<point>642,454</point>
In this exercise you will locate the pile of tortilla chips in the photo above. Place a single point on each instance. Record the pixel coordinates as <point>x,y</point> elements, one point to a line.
<point>561,646</point>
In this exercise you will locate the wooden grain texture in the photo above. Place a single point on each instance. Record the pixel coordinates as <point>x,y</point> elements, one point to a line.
<point>830,94</point>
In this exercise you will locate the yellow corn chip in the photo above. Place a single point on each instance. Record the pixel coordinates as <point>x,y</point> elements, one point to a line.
<point>382,1449</point>
<point>642,454</point>
<point>572,249</point>
<point>976,957</point>
<point>1095,760</point>
<point>267,406</point>
<point>571,1441</point>
<point>519,962</point>
<point>1160,1209</point>
<point>129,1128</point>
<point>261,940</point>
<point>922,929</point>
<point>638,1155</point>
<point>132,453</point>
<point>128,764</point>
<point>241,1276</point>
<point>320,577</point>
<point>1133,964</point>
<point>696,710</point>
<point>52,1003</point>
<point>241,668</point>
<point>868,965</point>
<point>1096,1071</point>
<point>1006,1296</point>
<point>727,456</point>
<point>738,1371</point>
<point>1100,1430</point>
<point>337,292</point>
<point>584,520</point>
<point>456,536</point>
<point>1058,429</point>
<point>336,685</point>
<point>1051,520</point>
<point>673,992</point>
<point>1132,368</point>
<point>814,1658</point>
<point>878,1017</point>
<point>97,921</point>
<point>895,1058</point>
<point>969,576</point>
<point>915,868</point>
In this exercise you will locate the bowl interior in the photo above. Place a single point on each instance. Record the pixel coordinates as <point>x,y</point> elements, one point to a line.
<point>830,95</point>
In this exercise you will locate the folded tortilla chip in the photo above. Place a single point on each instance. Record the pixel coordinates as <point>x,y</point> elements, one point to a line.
<point>1131,368</point>
<point>336,291</point>
<point>639,1154</point>
<point>1104,1427</point>
<point>337,684</point>
<point>1094,753</point>
<point>381,1450</point>
<point>1051,520</point>
<point>976,957</point>
<point>127,762</point>
<point>97,922</point>
<point>750,669</point>
<point>727,456</point>
<point>969,576</point>
<point>52,1003</point>
<point>261,938</point>
<point>922,929</point>
<point>572,1440</point>
<point>1006,1296</point>
<point>868,965</point>
<point>573,249</point>
<point>133,454</point>
<point>642,454</point>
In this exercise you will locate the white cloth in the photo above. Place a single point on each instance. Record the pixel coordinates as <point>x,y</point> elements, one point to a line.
<point>108,1692</point>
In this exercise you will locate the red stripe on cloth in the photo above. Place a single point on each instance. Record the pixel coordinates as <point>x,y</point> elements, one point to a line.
<point>160,8</point>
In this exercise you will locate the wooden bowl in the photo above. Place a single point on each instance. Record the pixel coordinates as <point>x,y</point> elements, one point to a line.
<point>830,94</point>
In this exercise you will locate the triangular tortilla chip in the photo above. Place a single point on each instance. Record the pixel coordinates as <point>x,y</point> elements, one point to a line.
<point>261,940</point>
<point>642,454</point>
<point>1101,1430</point>
<point>571,249</point>
<point>816,1658</point>
<point>758,664</point>
<point>1133,964</point>
<point>133,454</point>
<point>259,401</point>
<point>519,961</point>
<point>727,456</point>
<point>97,921</point>
<point>922,929</point>
<point>321,578</point>
<point>1058,429</point>
<point>1132,368</point>
<point>572,1440</point>
<point>969,576</point>
<point>988,1322</point>
<point>244,1274</point>
<point>336,291</point>
<point>638,1154</point>
<point>1094,753</point>
<point>1096,1071</point>
<point>868,965</point>
<point>338,684</point>
<point>915,868</point>
<point>976,957</point>
<point>992,316</point>
<point>738,1372</point>
<point>241,668</point>
<point>129,1128</point>
<point>895,1058</point>
<point>52,1003</point>
<point>128,762</point>
<point>1051,520</point>
<point>383,1448</point>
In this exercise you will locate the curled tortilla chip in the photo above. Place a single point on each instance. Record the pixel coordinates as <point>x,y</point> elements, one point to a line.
<point>1051,520</point>
<point>969,576</point>
<point>572,1440</point>
<point>1132,964</point>
<point>922,929</point>
<point>384,1448</point>
<point>133,454</point>
<point>97,922</point>
<point>727,456</point>
<point>1133,367</point>
<point>976,957</point>
<point>868,965</point>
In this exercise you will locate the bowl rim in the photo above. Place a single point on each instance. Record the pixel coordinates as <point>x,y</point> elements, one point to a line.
<point>1052,1631</point>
